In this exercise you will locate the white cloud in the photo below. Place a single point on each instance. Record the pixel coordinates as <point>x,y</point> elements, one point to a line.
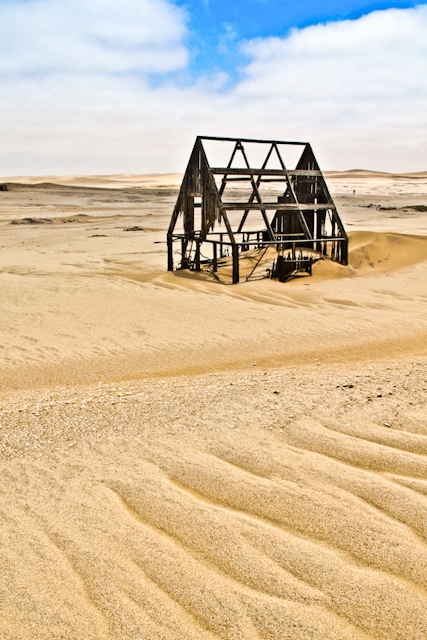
<point>90,36</point>
<point>355,89</point>
<point>382,53</point>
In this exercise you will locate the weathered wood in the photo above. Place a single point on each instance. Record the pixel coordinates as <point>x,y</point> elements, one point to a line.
<point>305,216</point>
<point>170,253</point>
<point>256,194</point>
<point>291,190</point>
<point>197,255</point>
<point>275,206</point>
<point>228,226</point>
<point>236,276</point>
<point>280,173</point>
<point>255,140</point>
<point>281,239</point>
<point>252,197</point>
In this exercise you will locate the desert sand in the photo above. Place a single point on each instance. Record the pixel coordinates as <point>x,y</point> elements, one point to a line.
<point>181,458</point>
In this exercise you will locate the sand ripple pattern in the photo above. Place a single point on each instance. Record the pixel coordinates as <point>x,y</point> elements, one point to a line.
<point>266,504</point>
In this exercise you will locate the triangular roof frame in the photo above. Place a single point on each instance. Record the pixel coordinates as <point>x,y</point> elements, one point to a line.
<point>297,219</point>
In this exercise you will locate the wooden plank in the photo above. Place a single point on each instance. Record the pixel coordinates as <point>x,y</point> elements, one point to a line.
<point>237,179</point>
<point>264,172</point>
<point>251,140</point>
<point>315,173</point>
<point>275,206</point>
<point>283,240</point>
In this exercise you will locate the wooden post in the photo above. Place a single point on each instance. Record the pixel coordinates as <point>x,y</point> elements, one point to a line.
<point>344,252</point>
<point>183,258</point>
<point>189,214</point>
<point>235,250</point>
<point>197,255</point>
<point>170,253</point>
<point>215,258</point>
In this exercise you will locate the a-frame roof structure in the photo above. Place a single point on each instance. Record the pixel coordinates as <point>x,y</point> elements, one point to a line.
<point>293,206</point>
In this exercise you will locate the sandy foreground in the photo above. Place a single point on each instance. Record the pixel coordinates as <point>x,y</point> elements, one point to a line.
<point>181,458</point>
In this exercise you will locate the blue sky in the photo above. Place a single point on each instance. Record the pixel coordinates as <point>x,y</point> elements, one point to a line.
<point>98,86</point>
<point>218,26</point>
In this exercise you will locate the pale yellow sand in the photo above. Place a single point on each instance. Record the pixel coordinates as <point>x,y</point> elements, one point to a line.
<point>182,458</point>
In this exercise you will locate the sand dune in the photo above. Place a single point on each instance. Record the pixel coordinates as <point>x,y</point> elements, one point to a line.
<point>116,181</point>
<point>181,458</point>
<point>375,175</point>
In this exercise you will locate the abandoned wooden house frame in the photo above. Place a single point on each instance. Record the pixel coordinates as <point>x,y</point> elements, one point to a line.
<point>303,216</point>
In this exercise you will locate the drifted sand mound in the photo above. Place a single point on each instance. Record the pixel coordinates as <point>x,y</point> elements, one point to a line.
<point>370,252</point>
<point>385,251</point>
<point>119,320</point>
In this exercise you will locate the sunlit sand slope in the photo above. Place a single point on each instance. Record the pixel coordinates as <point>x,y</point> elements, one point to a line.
<point>181,458</point>
<point>74,314</point>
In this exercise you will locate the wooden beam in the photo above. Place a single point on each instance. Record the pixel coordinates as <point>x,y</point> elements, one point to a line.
<point>228,226</point>
<point>282,240</point>
<point>230,162</point>
<point>251,140</point>
<point>265,172</point>
<point>276,206</point>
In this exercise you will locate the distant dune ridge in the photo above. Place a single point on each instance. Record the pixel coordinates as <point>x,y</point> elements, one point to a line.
<point>115,181</point>
<point>364,173</point>
<point>181,458</point>
<point>120,181</point>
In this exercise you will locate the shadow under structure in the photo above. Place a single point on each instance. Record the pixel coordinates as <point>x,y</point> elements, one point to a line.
<point>239,198</point>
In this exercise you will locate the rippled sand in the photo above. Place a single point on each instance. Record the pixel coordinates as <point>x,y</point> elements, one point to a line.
<point>182,458</point>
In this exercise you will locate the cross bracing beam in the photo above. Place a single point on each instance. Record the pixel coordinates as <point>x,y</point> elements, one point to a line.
<point>280,173</point>
<point>276,206</point>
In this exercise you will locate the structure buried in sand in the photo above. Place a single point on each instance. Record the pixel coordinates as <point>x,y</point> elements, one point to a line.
<point>276,220</point>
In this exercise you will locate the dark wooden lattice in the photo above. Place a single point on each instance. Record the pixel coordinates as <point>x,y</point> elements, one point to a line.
<point>303,216</point>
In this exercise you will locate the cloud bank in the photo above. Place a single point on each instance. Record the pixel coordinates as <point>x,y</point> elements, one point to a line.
<point>45,36</point>
<point>78,93</point>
